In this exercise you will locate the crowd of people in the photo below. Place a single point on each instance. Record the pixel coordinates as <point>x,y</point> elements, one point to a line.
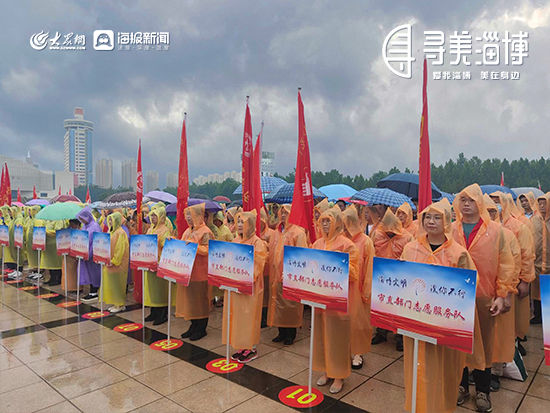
<point>507,243</point>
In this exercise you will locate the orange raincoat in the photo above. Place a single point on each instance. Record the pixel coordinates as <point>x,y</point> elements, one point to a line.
<point>246,310</point>
<point>410,225</point>
<point>495,265</point>
<point>387,246</point>
<point>272,238</point>
<point>439,368</point>
<point>317,211</point>
<point>193,301</point>
<point>285,313</point>
<point>360,290</point>
<point>332,341</point>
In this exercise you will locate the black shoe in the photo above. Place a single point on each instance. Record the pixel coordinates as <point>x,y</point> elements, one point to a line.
<point>281,336</point>
<point>288,341</point>
<point>522,350</point>
<point>536,320</point>
<point>264,318</point>
<point>162,316</point>
<point>152,315</point>
<point>89,298</point>
<point>399,343</point>
<point>197,335</point>
<point>189,332</point>
<point>379,338</point>
<point>495,383</point>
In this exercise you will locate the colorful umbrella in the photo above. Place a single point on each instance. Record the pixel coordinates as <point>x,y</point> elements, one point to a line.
<point>119,200</point>
<point>162,197</point>
<point>59,211</point>
<point>210,206</point>
<point>17,203</point>
<point>336,191</point>
<point>38,201</point>
<point>221,198</point>
<point>383,196</point>
<point>64,198</point>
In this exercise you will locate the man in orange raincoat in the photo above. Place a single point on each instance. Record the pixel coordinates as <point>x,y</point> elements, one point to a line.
<point>486,243</point>
<point>439,368</point>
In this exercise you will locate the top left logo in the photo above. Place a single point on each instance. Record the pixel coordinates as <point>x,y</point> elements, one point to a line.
<point>39,41</point>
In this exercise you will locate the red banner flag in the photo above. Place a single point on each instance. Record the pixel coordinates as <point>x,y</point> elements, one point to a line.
<point>70,191</point>
<point>247,162</point>
<point>18,195</point>
<point>502,179</point>
<point>88,197</point>
<point>139,191</point>
<point>183,182</point>
<point>257,199</point>
<point>34,195</point>
<point>8,186</point>
<point>59,192</point>
<point>302,200</point>
<point>3,188</point>
<point>424,170</point>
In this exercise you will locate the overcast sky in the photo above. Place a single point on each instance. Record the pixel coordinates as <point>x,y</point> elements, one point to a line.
<point>360,117</point>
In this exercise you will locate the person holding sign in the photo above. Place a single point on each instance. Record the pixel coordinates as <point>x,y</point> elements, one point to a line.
<point>155,289</point>
<point>32,256</point>
<point>193,301</point>
<point>486,244</point>
<point>439,367</point>
<point>115,274</point>
<point>318,209</point>
<point>10,252</point>
<point>285,314</point>
<point>332,342</point>
<point>405,215</point>
<point>49,260</point>
<point>90,272</point>
<point>246,310</point>
<point>360,290</point>
<point>71,264</point>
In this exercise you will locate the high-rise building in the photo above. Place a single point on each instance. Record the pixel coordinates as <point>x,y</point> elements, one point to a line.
<point>104,173</point>
<point>78,147</point>
<point>151,181</point>
<point>267,163</point>
<point>129,174</point>
<point>171,180</point>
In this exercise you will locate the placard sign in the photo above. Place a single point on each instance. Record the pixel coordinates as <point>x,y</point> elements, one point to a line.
<point>144,252</point>
<point>545,302</point>
<point>316,275</point>
<point>80,244</point>
<point>39,238</point>
<point>101,247</point>
<point>4,235</point>
<point>176,261</point>
<point>231,265</point>
<point>18,236</point>
<point>63,241</point>
<point>431,300</point>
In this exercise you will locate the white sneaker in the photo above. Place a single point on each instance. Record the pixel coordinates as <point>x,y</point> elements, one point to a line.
<point>117,309</point>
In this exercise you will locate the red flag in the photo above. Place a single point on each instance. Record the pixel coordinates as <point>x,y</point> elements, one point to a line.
<point>3,188</point>
<point>247,165</point>
<point>502,179</point>
<point>302,201</point>
<point>18,195</point>
<point>540,189</point>
<point>183,182</point>
<point>424,170</point>
<point>70,191</point>
<point>8,186</point>
<point>34,195</point>
<point>88,197</point>
<point>257,199</point>
<point>59,192</point>
<point>139,191</point>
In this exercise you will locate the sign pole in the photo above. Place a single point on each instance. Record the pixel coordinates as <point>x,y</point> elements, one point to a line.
<point>66,275</point>
<point>416,337</point>
<point>229,290</point>
<point>78,282</point>
<point>142,296</point>
<point>169,308</point>
<point>101,288</point>
<point>17,268</point>
<point>3,246</point>
<point>313,307</point>
<point>38,281</point>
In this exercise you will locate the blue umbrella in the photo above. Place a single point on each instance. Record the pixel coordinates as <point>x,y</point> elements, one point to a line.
<point>406,184</point>
<point>268,184</point>
<point>283,194</point>
<point>383,196</point>
<point>489,189</point>
<point>210,206</point>
<point>450,197</point>
<point>519,191</point>
<point>336,191</point>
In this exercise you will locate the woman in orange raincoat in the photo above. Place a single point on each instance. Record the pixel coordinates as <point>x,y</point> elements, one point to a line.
<point>439,368</point>
<point>332,341</point>
<point>287,315</point>
<point>317,211</point>
<point>272,238</point>
<point>486,243</point>
<point>405,215</point>
<point>360,290</point>
<point>246,310</point>
<point>193,301</point>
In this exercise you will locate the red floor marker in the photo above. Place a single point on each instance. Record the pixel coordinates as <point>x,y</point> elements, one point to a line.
<point>128,327</point>
<point>50,295</point>
<point>96,314</point>
<point>14,281</point>
<point>69,304</point>
<point>297,396</point>
<point>221,366</point>
<point>28,288</point>
<point>163,345</point>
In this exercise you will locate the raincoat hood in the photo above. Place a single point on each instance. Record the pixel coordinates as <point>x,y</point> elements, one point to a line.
<point>390,223</point>
<point>197,214</point>
<point>114,221</point>
<point>160,213</point>
<point>352,222</point>
<point>6,214</point>
<point>506,210</point>
<point>532,202</point>
<point>474,192</point>
<point>85,216</point>
<point>489,203</point>
<point>442,207</point>
<point>334,214</point>
<point>287,208</point>
<point>249,224</point>
<point>407,210</point>
<point>322,206</point>
<point>35,209</point>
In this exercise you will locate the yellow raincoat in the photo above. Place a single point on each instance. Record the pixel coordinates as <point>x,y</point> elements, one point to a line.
<point>223,231</point>
<point>284,313</point>
<point>115,275</point>
<point>360,289</point>
<point>49,260</point>
<point>495,265</point>
<point>439,367</point>
<point>332,341</point>
<point>246,310</point>
<point>10,251</point>
<point>32,256</point>
<point>193,301</point>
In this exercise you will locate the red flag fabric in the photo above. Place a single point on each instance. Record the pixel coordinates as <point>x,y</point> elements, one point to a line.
<point>88,197</point>
<point>70,191</point>
<point>247,162</point>
<point>59,192</point>
<point>540,188</point>
<point>424,169</point>
<point>502,179</point>
<point>257,199</point>
<point>183,182</point>
<point>3,188</point>
<point>34,195</point>
<point>301,212</point>
<point>139,191</point>
<point>8,186</point>
<point>18,195</point>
